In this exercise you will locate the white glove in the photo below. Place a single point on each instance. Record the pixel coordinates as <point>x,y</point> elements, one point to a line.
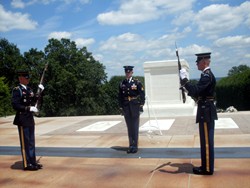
<point>183,73</point>
<point>33,109</point>
<point>41,87</point>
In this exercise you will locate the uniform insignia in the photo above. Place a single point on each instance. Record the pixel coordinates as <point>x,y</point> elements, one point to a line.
<point>134,87</point>
<point>205,74</point>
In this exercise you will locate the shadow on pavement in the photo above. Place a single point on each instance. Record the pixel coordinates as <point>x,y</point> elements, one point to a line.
<point>171,168</point>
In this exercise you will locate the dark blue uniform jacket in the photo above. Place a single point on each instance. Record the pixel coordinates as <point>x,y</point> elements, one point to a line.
<point>204,93</point>
<point>131,96</point>
<point>22,99</point>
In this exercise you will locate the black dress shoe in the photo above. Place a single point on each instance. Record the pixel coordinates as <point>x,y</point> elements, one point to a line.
<point>129,150</point>
<point>199,171</point>
<point>134,150</point>
<point>31,167</point>
<point>38,165</point>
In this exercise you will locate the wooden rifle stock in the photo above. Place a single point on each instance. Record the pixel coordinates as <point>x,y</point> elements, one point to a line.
<point>179,67</point>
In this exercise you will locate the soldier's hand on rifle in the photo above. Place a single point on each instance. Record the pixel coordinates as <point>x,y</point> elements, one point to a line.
<point>41,87</point>
<point>183,74</point>
<point>33,109</point>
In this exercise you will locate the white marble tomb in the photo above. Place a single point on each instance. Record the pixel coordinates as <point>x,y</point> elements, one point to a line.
<point>163,96</point>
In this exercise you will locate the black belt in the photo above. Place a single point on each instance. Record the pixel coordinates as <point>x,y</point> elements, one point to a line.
<point>208,98</point>
<point>129,98</point>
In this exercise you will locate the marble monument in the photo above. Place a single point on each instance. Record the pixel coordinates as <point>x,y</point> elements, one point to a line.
<point>163,96</point>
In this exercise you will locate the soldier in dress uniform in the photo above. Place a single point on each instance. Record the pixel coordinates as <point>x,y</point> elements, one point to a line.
<point>131,100</point>
<point>204,93</point>
<point>23,101</point>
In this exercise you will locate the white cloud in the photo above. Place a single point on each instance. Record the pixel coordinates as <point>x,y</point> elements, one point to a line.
<point>81,42</point>
<point>194,48</point>
<point>184,18</point>
<point>139,49</point>
<point>10,21</point>
<point>60,35</point>
<point>98,57</point>
<point>138,11</point>
<point>216,19</point>
<point>220,18</point>
<point>244,10</point>
<point>17,4</point>
<point>134,43</point>
<point>124,42</point>
<point>233,41</point>
<point>21,4</point>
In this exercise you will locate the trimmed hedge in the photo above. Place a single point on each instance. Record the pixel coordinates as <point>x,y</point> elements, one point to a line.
<point>234,91</point>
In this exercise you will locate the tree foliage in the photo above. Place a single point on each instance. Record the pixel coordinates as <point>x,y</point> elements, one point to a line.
<point>237,70</point>
<point>10,61</point>
<point>74,80</point>
<point>5,104</point>
<point>234,91</point>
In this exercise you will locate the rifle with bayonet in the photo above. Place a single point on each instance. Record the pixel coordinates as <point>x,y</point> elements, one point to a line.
<point>39,90</point>
<point>179,67</point>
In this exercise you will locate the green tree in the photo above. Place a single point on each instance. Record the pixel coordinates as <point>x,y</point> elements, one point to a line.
<point>234,91</point>
<point>111,89</point>
<point>35,62</point>
<point>5,99</point>
<point>10,61</point>
<point>75,83</point>
<point>75,80</point>
<point>236,70</point>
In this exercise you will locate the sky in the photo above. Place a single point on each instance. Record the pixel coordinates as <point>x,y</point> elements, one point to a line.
<point>132,32</point>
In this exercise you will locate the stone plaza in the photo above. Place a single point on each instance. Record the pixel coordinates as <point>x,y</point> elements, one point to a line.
<point>90,151</point>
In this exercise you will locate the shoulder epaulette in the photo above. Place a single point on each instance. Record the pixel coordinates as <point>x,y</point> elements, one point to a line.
<point>18,88</point>
<point>206,73</point>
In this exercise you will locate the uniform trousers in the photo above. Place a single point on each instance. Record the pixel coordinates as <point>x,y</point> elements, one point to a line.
<point>27,143</point>
<point>133,129</point>
<point>206,130</point>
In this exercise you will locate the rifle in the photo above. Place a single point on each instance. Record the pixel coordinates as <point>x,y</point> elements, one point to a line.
<point>39,90</point>
<point>179,67</point>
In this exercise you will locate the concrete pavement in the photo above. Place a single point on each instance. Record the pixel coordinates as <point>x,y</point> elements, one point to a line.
<point>90,151</point>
